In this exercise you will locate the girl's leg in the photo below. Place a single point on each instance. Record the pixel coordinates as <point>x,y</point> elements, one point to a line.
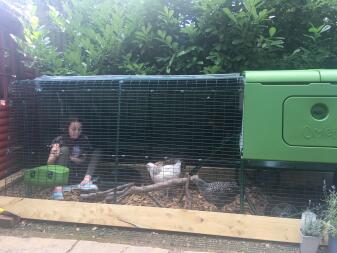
<point>63,160</point>
<point>57,193</point>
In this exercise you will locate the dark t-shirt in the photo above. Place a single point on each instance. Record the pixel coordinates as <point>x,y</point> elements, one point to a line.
<point>79,147</point>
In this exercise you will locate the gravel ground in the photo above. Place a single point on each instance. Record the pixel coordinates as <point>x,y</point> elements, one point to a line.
<point>146,238</point>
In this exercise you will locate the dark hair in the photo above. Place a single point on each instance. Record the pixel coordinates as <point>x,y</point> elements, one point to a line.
<point>68,122</point>
<point>73,119</point>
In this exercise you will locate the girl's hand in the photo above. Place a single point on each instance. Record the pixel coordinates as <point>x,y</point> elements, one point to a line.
<point>54,153</point>
<point>55,150</point>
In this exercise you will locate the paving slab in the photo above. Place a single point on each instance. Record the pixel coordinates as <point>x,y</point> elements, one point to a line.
<point>184,251</point>
<point>91,247</point>
<point>10,244</point>
<point>134,249</point>
<point>88,246</point>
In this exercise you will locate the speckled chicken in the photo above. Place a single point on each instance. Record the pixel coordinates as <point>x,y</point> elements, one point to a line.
<point>217,193</point>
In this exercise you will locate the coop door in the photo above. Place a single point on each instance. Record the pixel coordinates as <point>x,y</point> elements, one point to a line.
<point>310,121</point>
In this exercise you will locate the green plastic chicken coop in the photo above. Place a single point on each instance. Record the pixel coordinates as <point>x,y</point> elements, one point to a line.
<point>290,116</point>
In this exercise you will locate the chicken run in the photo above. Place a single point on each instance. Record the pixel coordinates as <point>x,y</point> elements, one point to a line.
<point>194,194</point>
<point>169,141</point>
<point>168,176</point>
<point>179,189</point>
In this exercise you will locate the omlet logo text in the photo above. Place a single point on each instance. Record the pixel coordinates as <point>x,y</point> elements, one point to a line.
<point>310,132</point>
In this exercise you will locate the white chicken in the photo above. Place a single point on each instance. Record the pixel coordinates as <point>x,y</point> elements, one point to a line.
<point>162,171</point>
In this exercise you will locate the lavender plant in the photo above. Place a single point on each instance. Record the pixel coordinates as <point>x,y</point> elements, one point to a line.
<point>331,209</point>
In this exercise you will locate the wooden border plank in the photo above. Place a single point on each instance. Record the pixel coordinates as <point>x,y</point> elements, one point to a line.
<point>178,220</point>
<point>7,181</point>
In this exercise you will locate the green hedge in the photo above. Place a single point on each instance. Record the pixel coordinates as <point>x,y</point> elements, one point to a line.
<point>88,37</point>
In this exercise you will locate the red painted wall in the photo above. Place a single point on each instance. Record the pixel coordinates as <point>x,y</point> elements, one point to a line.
<point>11,68</point>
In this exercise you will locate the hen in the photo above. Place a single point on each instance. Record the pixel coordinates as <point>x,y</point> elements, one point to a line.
<point>162,171</point>
<point>217,193</point>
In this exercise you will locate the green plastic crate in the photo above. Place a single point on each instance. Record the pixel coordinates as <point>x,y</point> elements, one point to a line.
<point>47,175</point>
<point>290,116</point>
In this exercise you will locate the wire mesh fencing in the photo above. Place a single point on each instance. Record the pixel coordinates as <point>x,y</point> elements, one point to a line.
<point>164,141</point>
<point>134,133</point>
<point>271,191</point>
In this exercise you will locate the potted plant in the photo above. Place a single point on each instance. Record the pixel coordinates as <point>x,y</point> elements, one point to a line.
<point>311,235</point>
<point>331,219</point>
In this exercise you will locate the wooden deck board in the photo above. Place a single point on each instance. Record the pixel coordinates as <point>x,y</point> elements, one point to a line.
<point>179,220</point>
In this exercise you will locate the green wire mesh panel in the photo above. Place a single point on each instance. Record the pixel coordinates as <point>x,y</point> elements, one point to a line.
<point>134,120</point>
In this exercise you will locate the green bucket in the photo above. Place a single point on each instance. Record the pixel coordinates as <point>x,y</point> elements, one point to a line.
<point>47,175</point>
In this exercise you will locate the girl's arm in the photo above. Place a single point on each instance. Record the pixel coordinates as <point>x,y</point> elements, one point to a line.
<point>78,160</point>
<point>54,153</point>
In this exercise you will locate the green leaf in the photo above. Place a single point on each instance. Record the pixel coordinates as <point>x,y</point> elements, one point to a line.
<point>272,31</point>
<point>236,41</point>
<point>181,53</point>
<point>34,21</point>
<point>168,39</point>
<point>230,15</point>
<point>313,29</point>
<point>250,5</point>
<point>208,30</point>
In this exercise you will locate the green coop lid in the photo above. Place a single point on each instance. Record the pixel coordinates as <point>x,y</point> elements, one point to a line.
<point>283,76</point>
<point>328,75</point>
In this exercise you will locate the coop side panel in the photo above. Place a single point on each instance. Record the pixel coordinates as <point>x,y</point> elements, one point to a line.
<point>280,121</point>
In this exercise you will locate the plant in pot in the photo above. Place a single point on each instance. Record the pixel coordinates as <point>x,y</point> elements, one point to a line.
<point>331,218</point>
<point>311,235</point>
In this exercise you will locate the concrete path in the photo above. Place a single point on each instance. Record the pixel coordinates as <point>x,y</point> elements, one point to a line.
<point>10,244</point>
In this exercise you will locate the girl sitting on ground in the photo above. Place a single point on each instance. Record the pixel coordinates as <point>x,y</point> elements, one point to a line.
<point>73,150</point>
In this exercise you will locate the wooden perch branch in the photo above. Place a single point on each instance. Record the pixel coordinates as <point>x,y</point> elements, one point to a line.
<point>124,190</point>
<point>155,187</point>
<point>159,186</point>
<point>105,193</point>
